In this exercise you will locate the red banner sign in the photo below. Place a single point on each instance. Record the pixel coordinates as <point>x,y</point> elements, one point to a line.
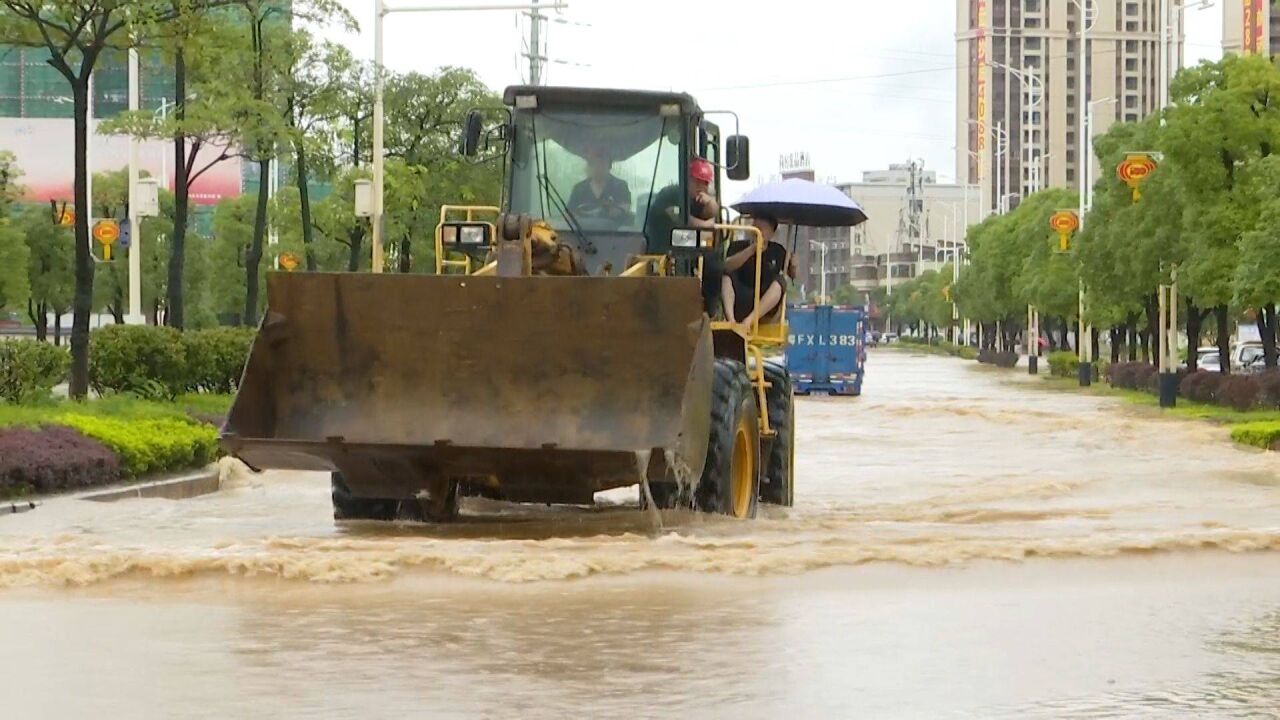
<point>980,70</point>
<point>1253,40</point>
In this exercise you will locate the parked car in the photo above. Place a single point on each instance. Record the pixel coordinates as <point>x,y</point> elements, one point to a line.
<point>1245,357</point>
<point>1206,359</point>
<point>1248,357</point>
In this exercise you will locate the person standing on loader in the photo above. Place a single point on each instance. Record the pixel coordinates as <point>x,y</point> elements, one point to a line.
<point>666,213</point>
<point>666,209</point>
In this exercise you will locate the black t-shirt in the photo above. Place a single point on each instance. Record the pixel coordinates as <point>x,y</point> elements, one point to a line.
<point>772,265</point>
<point>658,225</point>
<point>613,202</point>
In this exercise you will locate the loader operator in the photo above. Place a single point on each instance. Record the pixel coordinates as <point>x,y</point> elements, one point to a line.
<point>739,283</point>
<point>602,195</point>
<point>666,214</point>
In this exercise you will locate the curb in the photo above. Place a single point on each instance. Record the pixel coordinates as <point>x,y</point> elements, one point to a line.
<point>185,487</point>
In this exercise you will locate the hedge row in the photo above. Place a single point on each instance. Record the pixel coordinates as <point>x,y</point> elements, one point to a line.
<point>142,360</point>
<point>1239,392</point>
<point>30,369</point>
<point>1064,364</point>
<point>63,445</point>
<point>1134,376</point>
<point>51,459</point>
<point>150,446</point>
<point>160,362</point>
<point>941,347</point>
<point>1265,435</point>
<point>1004,359</point>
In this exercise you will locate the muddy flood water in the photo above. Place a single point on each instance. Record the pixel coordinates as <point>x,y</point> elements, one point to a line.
<point>965,543</point>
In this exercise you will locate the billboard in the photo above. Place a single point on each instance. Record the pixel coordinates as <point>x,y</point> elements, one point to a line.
<point>980,83</point>
<point>44,150</point>
<point>1255,38</point>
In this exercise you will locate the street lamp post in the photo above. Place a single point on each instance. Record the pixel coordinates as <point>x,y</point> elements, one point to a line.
<point>1170,9</point>
<point>822,283</point>
<point>1088,16</point>
<point>135,316</point>
<point>380,12</point>
<point>1002,144</point>
<point>1033,87</point>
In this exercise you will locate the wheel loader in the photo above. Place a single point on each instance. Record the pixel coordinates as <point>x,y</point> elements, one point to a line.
<point>558,350</point>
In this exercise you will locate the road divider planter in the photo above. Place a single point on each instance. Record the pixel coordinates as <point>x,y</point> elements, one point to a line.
<point>141,425</point>
<point>1263,434</point>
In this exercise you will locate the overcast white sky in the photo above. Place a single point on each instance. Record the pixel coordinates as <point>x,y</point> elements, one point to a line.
<point>856,83</point>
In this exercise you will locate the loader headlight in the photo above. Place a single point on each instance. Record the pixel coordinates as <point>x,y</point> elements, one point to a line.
<point>467,234</point>
<point>689,238</point>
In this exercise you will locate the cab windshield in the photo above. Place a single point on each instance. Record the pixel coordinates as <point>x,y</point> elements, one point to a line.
<point>593,171</point>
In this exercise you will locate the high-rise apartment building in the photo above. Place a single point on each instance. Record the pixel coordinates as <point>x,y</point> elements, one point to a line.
<point>1250,26</point>
<point>1018,77</point>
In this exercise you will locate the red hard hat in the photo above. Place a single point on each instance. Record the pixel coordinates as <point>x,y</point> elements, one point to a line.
<point>702,170</point>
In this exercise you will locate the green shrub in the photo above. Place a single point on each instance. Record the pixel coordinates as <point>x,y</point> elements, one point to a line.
<point>151,445</point>
<point>142,360</point>
<point>967,352</point>
<point>215,358</point>
<point>1064,364</point>
<point>30,369</point>
<point>1239,392</point>
<point>1258,434</point>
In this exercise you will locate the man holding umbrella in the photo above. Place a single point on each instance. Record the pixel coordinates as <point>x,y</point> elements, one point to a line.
<point>796,202</point>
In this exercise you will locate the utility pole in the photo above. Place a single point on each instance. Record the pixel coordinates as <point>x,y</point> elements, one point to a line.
<point>135,316</point>
<point>1083,153</point>
<point>535,45</point>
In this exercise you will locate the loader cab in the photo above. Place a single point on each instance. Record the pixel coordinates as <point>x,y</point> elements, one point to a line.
<point>593,162</point>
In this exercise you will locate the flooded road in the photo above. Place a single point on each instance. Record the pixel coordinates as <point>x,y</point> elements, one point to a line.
<point>964,544</point>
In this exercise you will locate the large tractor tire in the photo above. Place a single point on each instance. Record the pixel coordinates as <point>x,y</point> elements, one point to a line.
<point>777,486</point>
<point>347,506</point>
<point>730,483</point>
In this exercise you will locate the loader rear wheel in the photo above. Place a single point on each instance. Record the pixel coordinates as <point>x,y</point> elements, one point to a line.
<point>730,482</point>
<point>441,507</point>
<point>777,487</point>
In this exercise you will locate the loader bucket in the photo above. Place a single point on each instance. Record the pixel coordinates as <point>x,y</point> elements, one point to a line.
<point>546,388</point>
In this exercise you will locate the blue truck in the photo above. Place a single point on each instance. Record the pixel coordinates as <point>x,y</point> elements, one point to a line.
<point>826,348</point>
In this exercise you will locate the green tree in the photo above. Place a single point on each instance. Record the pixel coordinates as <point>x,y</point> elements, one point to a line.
<point>75,33</point>
<point>322,79</point>
<point>198,122</point>
<point>1223,121</point>
<point>15,287</point>
<point>50,269</point>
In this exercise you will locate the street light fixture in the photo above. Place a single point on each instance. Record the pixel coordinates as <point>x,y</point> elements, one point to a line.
<point>1033,87</point>
<point>1166,32</point>
<point>1002,144</point>
<point>822,246</point>
<point>380,11</point>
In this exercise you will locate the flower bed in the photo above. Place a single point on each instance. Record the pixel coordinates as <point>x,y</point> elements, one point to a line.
<point>67,446</point>
<point>52,459</point>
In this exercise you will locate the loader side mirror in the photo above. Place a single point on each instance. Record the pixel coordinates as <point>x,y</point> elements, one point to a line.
<point>467,235</point>
<point>472,129</point>
<point>737,157</point>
